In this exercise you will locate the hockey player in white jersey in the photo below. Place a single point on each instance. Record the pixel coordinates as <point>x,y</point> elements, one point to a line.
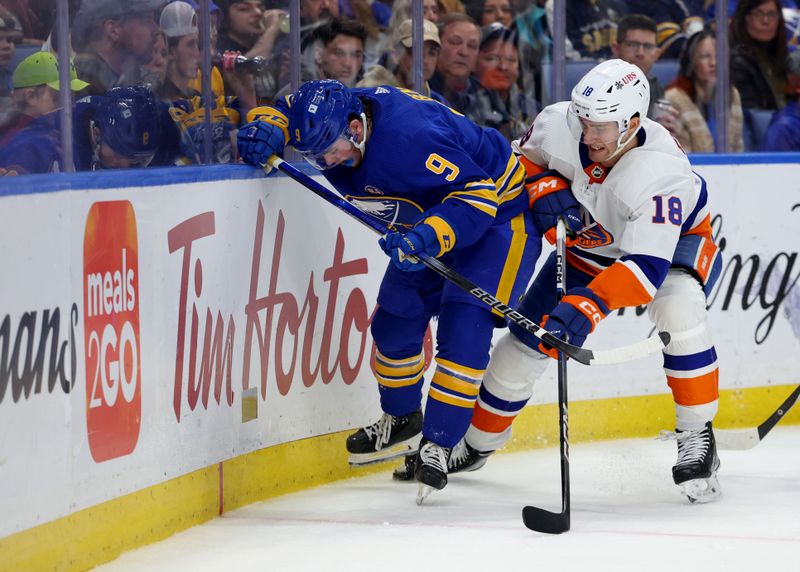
<point>646,240</point>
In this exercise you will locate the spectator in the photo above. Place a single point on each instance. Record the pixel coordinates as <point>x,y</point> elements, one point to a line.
<point>113,39</point>
<point>591,27</point>
<point>454,79</point>
<point>401,11</point>
<point>125,127</point>
<point>636,44</point>
<point>10,35</point>
<point>535,45</point>
<point>338,48</point>
<point>35,17</point>
<point>498,72</point>
<point>758,54</point>
<point>783,133</point>
<point>179,23</point>
<point>36,86</point>
<point>247,28</point>
<point>155,71</point>
<point>399,73</point>
<point>677,21</point>
<point>693,93</point>
<point>374,16</point>
<point>486,12</point>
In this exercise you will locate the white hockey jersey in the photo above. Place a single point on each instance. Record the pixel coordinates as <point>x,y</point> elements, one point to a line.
<point>634,212</point>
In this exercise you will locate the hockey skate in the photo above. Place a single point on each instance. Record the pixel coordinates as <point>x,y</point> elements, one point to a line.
<point>463,459</point>
<point>431,469</point>
<point>390,437</point>
<point>696,469</point>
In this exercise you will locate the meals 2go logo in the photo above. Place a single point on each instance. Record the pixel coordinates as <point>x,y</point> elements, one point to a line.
<point>111,318</point>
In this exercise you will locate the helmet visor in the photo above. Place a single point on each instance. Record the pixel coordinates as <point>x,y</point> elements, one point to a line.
<point>340,152</point>
<point>602,133</point>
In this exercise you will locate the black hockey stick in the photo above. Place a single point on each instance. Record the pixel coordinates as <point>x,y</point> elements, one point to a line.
<point>653,344</point>
<point>748,438</point>
<point>535,518</point>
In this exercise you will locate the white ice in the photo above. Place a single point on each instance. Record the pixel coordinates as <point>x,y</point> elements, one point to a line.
<point>626,515</point>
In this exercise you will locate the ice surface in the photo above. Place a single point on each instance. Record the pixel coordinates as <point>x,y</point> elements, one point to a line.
<point>626,515</point>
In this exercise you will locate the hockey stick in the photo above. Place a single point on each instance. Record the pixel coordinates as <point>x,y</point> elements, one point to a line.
<point>739,439</point>
<point>637,350</point>
<point>536,518</point>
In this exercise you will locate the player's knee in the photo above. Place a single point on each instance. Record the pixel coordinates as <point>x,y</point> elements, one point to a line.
<point>513,368</point>
<point>679,304</point>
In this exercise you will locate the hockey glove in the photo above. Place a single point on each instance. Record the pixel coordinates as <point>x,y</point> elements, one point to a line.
<point>576,315</point>
<point>399,246</point>
<point>258,141</point>
<point>549,196</point>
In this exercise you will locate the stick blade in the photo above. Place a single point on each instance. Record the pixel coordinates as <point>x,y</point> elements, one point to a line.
<point>545,521</point>
<point>736,439</point>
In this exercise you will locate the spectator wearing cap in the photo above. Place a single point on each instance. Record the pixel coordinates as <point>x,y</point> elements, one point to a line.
<point>498,71</point>
<point>36,86</point>
<point>783,133</point>
<point>693,95</point>
<point>178,21</point>
<point>113,39</point>
<point>123,128</point>
<point>399,61</point>
<point>454,77</point>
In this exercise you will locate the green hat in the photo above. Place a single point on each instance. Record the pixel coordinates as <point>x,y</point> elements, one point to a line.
<point>41,68</point>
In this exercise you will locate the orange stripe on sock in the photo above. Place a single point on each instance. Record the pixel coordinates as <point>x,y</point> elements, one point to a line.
<point>695,390</point>
<point>490,422</point>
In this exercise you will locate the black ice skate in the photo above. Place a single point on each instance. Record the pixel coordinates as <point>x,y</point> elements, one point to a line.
<point>431,468</point>
<point>463,459</point>
<point>390,437</point>
<point>696,469</point>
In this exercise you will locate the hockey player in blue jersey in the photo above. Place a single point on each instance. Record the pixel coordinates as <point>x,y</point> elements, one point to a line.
<point>123,128</point>
<point>443,186</point>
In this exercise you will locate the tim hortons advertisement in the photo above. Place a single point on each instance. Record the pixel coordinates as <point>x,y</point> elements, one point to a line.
<point>149,332</point>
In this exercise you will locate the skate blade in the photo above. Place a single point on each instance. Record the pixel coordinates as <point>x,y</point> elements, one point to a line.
<point>422,493</point>
<point>702,490</point>
<point>407,447</point>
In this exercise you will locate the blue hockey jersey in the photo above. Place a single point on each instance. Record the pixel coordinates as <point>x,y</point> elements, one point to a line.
<point>424,159</point>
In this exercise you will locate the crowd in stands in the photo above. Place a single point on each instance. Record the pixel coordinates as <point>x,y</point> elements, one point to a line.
<point>137,82</point>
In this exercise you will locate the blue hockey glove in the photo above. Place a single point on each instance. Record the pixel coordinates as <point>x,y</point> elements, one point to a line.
<point>421,238</point>
<point>576,315</point>
<point>549,196</point>
<point>258,141</point>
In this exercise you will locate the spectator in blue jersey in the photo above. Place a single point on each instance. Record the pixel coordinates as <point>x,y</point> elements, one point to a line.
<point>123,128</point>
<point>591,27</point>
<point>454,192</point>
<point>783,133</point>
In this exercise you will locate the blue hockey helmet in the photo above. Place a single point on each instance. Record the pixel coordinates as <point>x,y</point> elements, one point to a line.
<point>129,122</point>
<point>319,116</point>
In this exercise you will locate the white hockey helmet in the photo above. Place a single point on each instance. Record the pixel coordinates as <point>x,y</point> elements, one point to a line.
<point>613,90</point>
